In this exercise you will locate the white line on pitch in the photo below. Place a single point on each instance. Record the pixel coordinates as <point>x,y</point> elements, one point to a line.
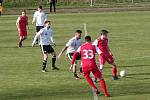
<point>95,97</point>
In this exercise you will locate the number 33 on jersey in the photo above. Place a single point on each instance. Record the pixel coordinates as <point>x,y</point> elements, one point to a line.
<point>87,52</point>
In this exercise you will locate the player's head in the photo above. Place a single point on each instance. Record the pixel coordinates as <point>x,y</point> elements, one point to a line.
<point>40,8</point>
<point>88,38</point>
<point>23,12</point>
<point>103,32</point>
<point>47,24</point>
<point>78,34</point>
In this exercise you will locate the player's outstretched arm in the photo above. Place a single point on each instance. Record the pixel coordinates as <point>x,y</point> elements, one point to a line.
<point>73,60</point>
<point>62,51</point>
<point>36,36</point>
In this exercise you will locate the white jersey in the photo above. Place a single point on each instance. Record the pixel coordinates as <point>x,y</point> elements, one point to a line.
<point>40,18</point>
<point>73,45</point>
<point>46,36</point>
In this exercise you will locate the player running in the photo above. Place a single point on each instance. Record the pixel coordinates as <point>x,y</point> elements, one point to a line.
<point>39,17</point>
<point>87,51</point>
<point>46,39</point>
<point>22,25</point>
<point>71,47</point>
<point>102,43</point>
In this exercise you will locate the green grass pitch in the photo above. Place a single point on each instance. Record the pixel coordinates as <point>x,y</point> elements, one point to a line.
<point>22,79</point>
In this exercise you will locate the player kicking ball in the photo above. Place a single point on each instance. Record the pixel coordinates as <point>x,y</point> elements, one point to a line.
<point>46,39</point>
<point>72,45</point>
<point>22,25</point>
<point>106,56</point>
<point>87,51</point>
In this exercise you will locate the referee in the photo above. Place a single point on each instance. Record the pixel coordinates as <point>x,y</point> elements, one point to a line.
<point>39,18</point>
<point>53,3</point>
<point>46,39</point>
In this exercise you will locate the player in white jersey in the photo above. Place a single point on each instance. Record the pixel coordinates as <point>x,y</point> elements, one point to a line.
<point>71,47</point>
<point>39,18</point>
<point>46,40</point>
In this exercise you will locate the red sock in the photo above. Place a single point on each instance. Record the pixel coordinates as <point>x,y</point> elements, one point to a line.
<point>89,80</point>
<point>114,71</point>
<point>103,86</point>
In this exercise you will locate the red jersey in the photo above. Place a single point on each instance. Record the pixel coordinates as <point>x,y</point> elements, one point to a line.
<point>23,21</point>
<point>103,45</point>
<point>87,51</point>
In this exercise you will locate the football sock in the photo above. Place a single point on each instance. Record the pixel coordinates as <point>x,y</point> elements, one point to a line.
<point>103,85</point>
<point>114,71</point>
<point>75,74</point>
<point>89,80</point>
<point>44,64</point>
<point>53,62</point>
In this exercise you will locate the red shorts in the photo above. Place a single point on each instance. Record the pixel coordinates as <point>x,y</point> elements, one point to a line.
<point>23,33</point>
<point>96,72</point>
<point>106,57</point>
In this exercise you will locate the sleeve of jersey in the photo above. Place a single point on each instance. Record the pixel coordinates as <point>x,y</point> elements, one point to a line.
<point>69,43</point>
<point>74,57</point>
<point>95,42</point>
<point>98,50</point>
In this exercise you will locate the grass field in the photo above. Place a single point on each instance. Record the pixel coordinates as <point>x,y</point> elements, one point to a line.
<point>22,79</point>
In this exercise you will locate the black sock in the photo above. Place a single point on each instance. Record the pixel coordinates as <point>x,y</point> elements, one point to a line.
<point>44,64</point>
<point>53,62</point>
<point>80,69</point>
<point>75,74</point>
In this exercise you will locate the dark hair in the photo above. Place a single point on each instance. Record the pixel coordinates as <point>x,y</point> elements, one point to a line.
<point>78,31</point>
<point>104,32</point>
<point>88,38</point>
<point>40,7</point>
<point>47,22</point>
<point>24,10</point>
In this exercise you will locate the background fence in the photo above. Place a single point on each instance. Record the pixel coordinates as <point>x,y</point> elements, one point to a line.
<point>73,3</point>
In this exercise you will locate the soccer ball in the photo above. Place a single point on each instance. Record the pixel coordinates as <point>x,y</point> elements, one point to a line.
<point>123,73</point>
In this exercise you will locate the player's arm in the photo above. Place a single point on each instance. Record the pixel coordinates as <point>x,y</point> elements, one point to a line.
<point>109,50</point>
<point>74,57</point>
<point>34,18</point>
<point>52,39</point>
<point>98,50</point>
<point>27,24</point>
<point>45,17</point>
<point>17,23</point>
<point>65,48</point>
<point>36,36</point>
<point>95,42</point>
<point>62,51</point>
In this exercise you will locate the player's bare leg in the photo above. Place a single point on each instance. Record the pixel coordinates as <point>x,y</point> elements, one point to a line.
<point>53,61</point>
<point>22,38</point>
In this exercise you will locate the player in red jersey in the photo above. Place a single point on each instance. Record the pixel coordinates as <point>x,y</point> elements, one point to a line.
<point>102,43</point>
<point>22,23</point>
<point>87,51</point>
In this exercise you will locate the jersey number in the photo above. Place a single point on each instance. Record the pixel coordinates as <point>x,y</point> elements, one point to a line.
<point>88,54</point>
